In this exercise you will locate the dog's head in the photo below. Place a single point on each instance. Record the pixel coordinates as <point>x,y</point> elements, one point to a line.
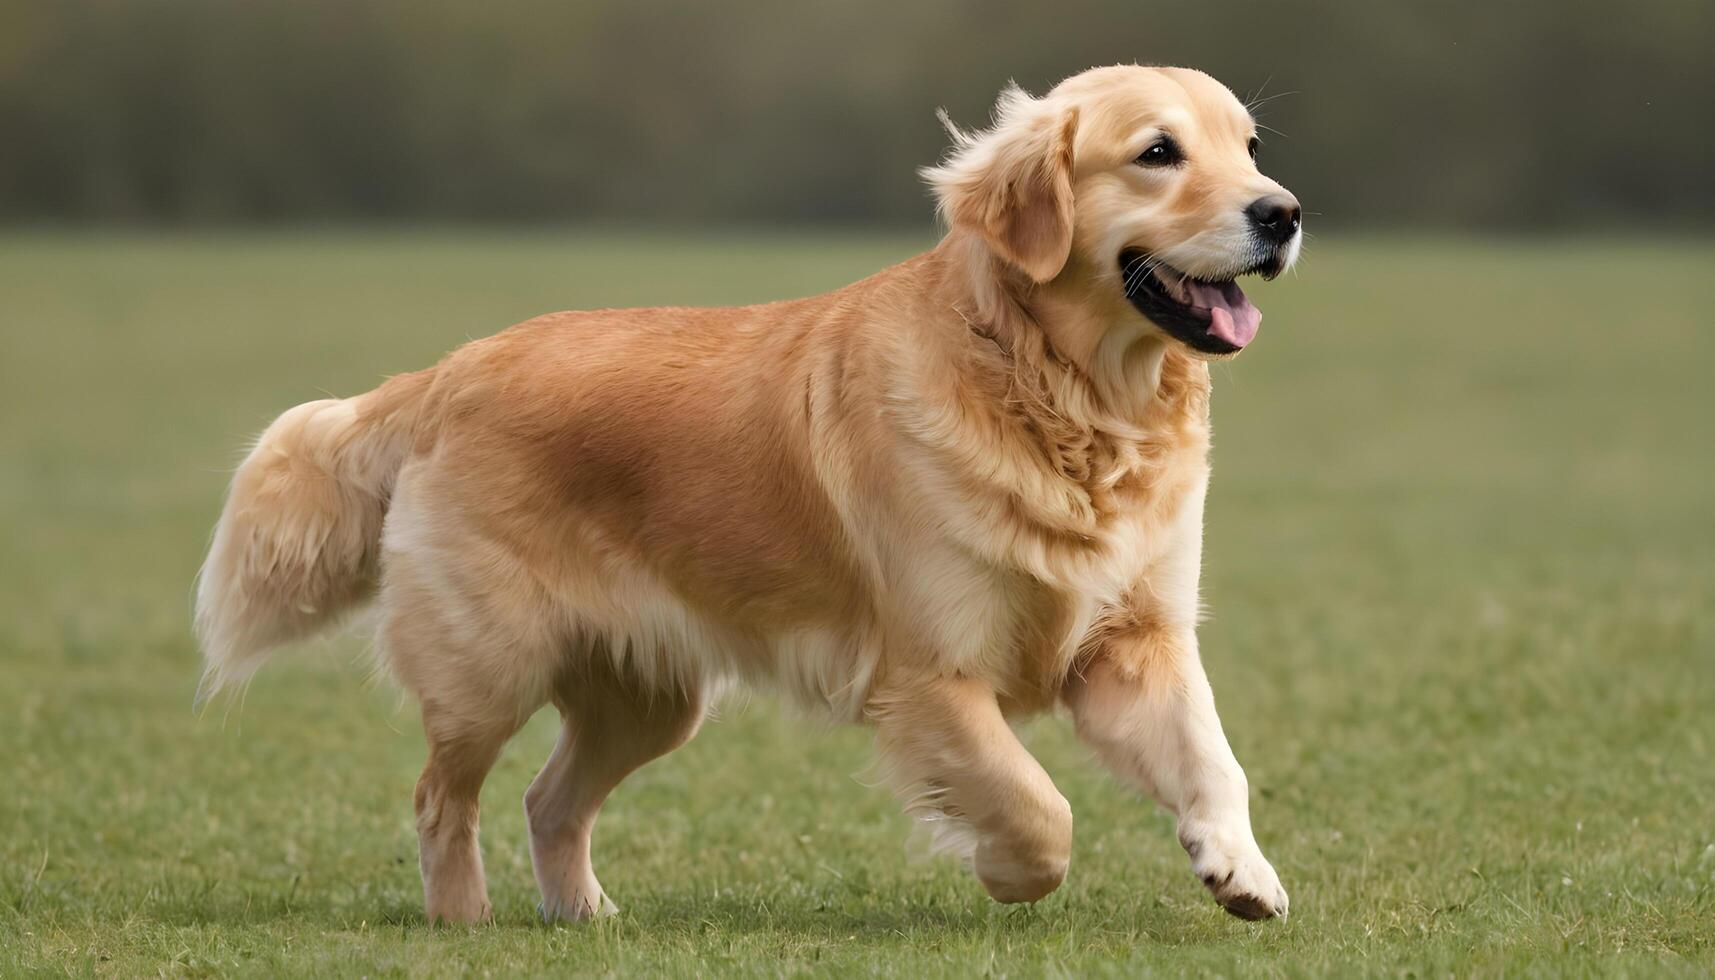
<point>1135,191</point>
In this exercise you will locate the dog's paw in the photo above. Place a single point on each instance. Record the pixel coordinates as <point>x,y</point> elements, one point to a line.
<point>1237,874</point>
<point>577,908</point>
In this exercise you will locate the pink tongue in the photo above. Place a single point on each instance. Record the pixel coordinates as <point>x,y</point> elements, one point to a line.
<point>1231,316</point>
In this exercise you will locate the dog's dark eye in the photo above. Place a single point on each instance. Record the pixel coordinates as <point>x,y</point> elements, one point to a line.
<point>1253,146</point>
<point>1162,153</point>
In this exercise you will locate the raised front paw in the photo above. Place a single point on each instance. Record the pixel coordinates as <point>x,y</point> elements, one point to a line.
<point>1231,864</point>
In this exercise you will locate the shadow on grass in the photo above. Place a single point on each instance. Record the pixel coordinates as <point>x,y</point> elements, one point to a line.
<point>910,915</point>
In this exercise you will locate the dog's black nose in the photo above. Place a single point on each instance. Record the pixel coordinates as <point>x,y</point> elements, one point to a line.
<point>1275,218</point>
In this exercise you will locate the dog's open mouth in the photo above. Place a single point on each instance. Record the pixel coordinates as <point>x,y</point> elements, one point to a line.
<point>1208,316</point>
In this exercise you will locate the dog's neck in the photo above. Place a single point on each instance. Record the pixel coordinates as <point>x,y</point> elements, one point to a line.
<point>1108,410</point>
<point>1099,365</point>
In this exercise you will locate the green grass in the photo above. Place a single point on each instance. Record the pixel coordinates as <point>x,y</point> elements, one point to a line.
<point>1461,563</point>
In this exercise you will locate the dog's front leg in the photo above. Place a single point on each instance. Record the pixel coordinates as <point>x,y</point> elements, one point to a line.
<point>954,761</point>
<point>1144,703</point>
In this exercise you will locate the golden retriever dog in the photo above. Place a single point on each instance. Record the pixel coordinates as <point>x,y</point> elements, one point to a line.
<point>960,492</point>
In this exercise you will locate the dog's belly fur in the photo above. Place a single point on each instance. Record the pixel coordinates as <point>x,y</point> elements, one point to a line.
<point>516,617</point>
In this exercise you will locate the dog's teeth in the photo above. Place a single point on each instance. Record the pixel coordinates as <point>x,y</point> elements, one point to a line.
<point>1171,284</point>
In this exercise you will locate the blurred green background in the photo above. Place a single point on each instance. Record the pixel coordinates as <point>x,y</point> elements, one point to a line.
<point>1461,550</point>
<point>1455,113</point>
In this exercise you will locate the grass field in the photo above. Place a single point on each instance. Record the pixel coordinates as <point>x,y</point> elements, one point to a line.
<point>1461,564</point>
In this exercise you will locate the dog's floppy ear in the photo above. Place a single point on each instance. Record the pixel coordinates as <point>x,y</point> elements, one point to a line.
<point>1012,183</point>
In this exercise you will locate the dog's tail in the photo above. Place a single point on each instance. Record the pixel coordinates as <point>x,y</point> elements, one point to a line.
<point>298,542</point>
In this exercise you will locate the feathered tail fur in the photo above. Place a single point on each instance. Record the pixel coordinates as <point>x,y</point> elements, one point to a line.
<point>299,539</point>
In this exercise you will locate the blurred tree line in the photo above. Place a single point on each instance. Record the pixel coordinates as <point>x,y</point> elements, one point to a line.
<point>1459,113</point>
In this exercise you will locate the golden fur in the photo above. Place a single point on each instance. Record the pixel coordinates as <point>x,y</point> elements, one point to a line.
<point>963,490</point>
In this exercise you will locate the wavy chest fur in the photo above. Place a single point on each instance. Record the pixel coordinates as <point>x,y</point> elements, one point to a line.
<point>1059,523</point>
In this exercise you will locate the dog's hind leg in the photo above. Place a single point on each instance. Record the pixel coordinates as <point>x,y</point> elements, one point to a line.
<point>462,748</point>
<point>612,726</point>
<point>475,695</point>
